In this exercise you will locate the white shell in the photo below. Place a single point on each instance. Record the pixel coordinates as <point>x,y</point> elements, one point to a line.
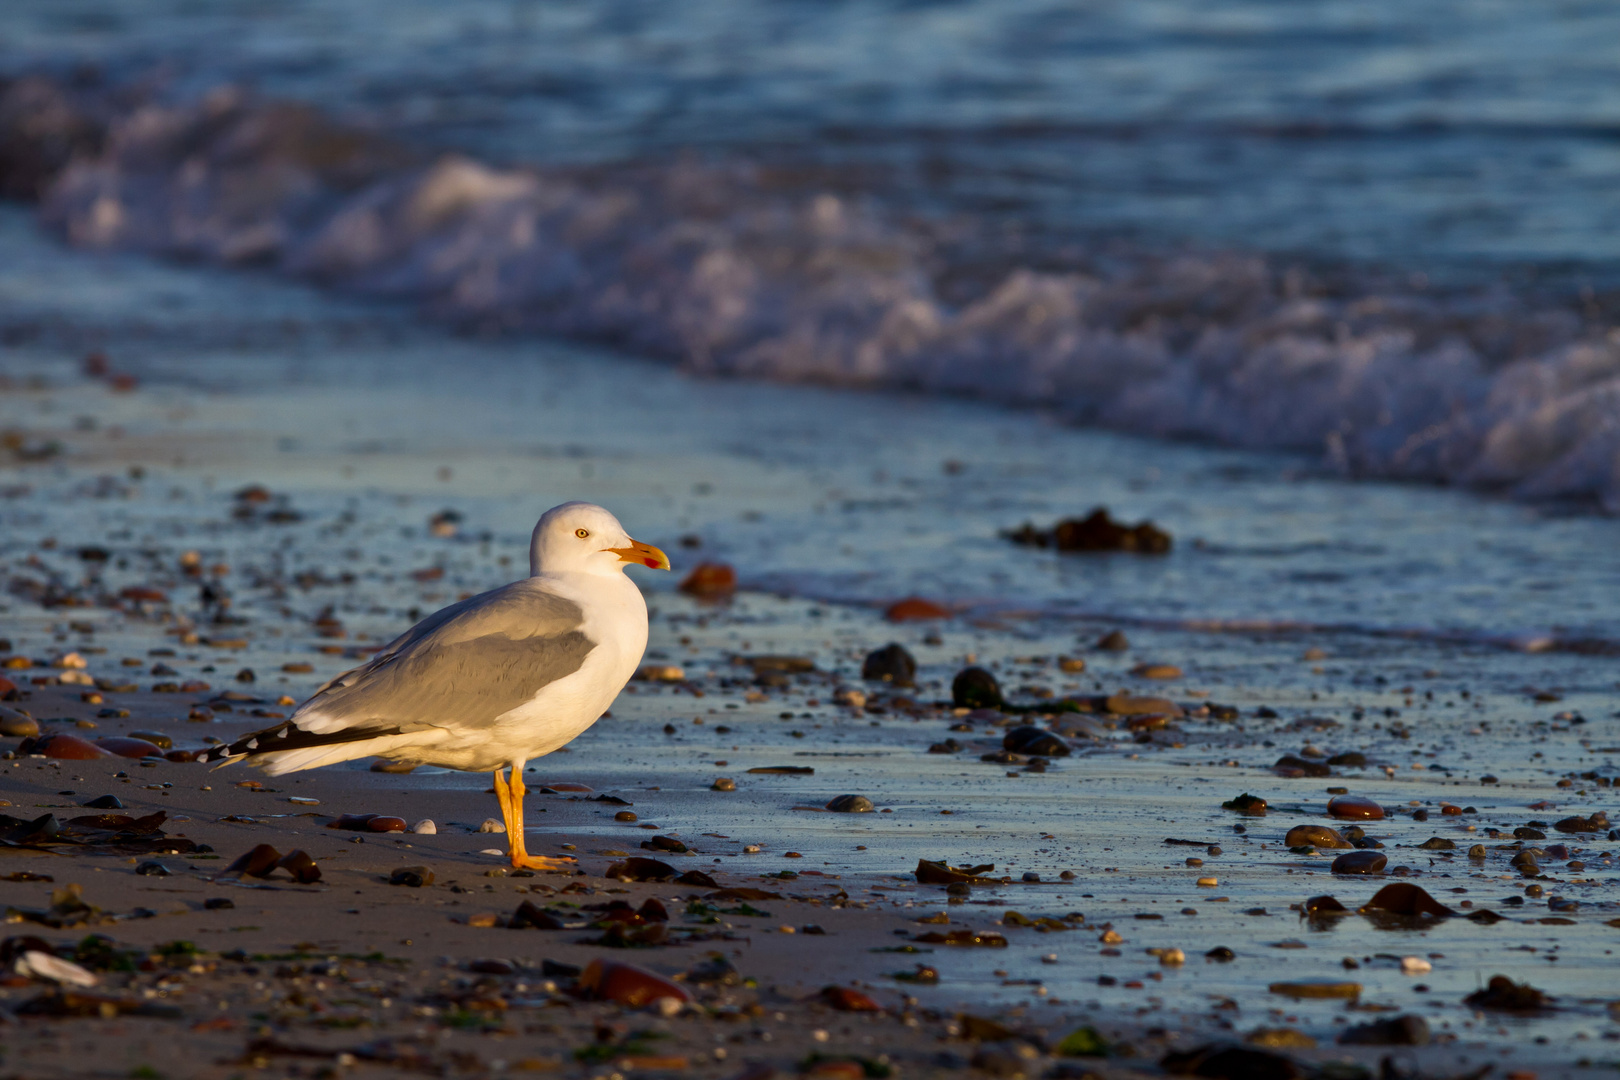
<point>425,827</point>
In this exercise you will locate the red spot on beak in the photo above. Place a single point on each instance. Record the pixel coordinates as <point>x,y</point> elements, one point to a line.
<point>651,562</point>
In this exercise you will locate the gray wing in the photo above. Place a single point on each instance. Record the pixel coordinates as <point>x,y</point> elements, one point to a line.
<point>464,665</point>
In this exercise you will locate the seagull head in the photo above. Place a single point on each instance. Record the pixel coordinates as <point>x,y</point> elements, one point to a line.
<point>581,537</point>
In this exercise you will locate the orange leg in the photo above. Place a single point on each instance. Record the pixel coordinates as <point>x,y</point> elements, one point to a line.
<point>511,799</point>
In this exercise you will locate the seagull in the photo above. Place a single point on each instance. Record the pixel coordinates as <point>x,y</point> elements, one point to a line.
<point>491,682</point>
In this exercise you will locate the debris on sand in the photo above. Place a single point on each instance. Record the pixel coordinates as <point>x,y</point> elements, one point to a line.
<point>1097,531</point>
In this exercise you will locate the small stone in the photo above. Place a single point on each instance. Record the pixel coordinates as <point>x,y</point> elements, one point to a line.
<point>891,664</point>
<point>1034,740</point>
<point>625,815</point>
<point>851,804</point>
<point>1156,671</point>
<point>1221,954</point>
<point>152,868</point>
<point>975,688</point>
<point>490,825</point>
<point>1352,759</point>
<point>845,999</point>
<point>1031,877</point>
<point>156,738</point>
<point>1438,843</point>
<point>1290,765</point>
<point>723,783</point>
<point>104,802</point>
<point>710,580</point>
<point>1360,862</point>
<point>1113,641</point>
<point>413,877</point>
<point>14,724</point>
<point>915,609</point>
<point>1318,836</point>
<point>660,673</point>
<point>219,903</point>
<point>425,827</point>
<point>1072,665</point>
<point>126,747</point>
<point>1415,965</point>
<point>1354,806</point>
<point>1397,1031</point>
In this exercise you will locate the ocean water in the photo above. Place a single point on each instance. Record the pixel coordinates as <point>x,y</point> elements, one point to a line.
<point>1383,238</point>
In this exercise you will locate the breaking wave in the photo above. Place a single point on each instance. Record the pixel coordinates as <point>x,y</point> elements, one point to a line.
<point>727,269</point>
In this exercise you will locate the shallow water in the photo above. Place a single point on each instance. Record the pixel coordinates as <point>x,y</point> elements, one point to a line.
<point>1449,138</point>
<point>355,414</point>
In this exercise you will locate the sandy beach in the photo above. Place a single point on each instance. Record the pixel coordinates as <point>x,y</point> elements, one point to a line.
<point>1118,876</point>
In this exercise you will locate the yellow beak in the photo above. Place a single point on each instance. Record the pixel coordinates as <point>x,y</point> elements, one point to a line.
<point>645,554</point>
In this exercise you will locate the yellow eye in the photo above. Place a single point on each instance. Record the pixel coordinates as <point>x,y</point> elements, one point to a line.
<point>582,533</point>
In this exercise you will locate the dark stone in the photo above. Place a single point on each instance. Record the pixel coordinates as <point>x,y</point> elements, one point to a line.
<point>1252,805</point>
<point>1438,843</point>
<point>1360,862</point>
<point>892,664</point>
<point>1406,1030</point>
<point>104,802</point>
<point>1221,954</point>
<point>1113,641</point>
<point>975,688</point>
<point>1353,759</point>
<point>665,843</point>
<point>530,916</point>
<point>1505,995</point>
<point>1290,762</point>
<point>1034,740</point>
<point>152,868</point>
<point>218,903</point>
<point>413,877</point>
<point>851,804</point>
<point>1224,1061</point>
<point>556,969</point>
<point>1596,823</point>
<point>1523,833</point>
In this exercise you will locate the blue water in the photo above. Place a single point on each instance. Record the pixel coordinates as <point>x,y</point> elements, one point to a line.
<point>1453,139</point>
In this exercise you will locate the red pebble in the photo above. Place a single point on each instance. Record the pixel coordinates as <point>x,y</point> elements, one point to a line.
<point>136,748</point>
<point>380,823</point>
<point>73,748</point>
<point>844,999</point>
<point>610,980</point>
<point>915,609</point>
<point>1354,806</point>
<point>710,579</point>
<point>7,687</point>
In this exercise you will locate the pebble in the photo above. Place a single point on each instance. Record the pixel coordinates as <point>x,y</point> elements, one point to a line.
<point>1033,740</point>
<point>14,724</point>
<point>975,688</point>
<point>851,804</point>
<point>156,738</point>
<point>104,802</point>
<point>1156,671</point>
<point>1352,759</point>
<point>1415,965</point>
<point>1360,862</point>
<point>1113,641</point>
<point>72,748</point>
<point>1317,990</point>
<point>890,664</point>
<point>152,868</point>
<point>1438,843</point>
<point>915,609</point>
<point>724,783</point>
<point>219,903</point>
<point>1291,765</point>
<point>490,825</point>
<point>124,747</point>
<point>709,580</point>
<point>625,815</point>
<point>1397,1031</point>
<point>425,827</point>
<point>660,673</point>
<point>413,877</point>
<point>626,984</point>
<point>1318,836</point>
<point>845,999</point>
<point>1354,806</point>
<point>1072,665</point>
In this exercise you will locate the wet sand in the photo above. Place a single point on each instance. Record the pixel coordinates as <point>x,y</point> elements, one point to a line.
<point>157,475</point>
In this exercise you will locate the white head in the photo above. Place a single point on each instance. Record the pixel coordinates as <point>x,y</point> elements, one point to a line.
<point>580,537</point>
